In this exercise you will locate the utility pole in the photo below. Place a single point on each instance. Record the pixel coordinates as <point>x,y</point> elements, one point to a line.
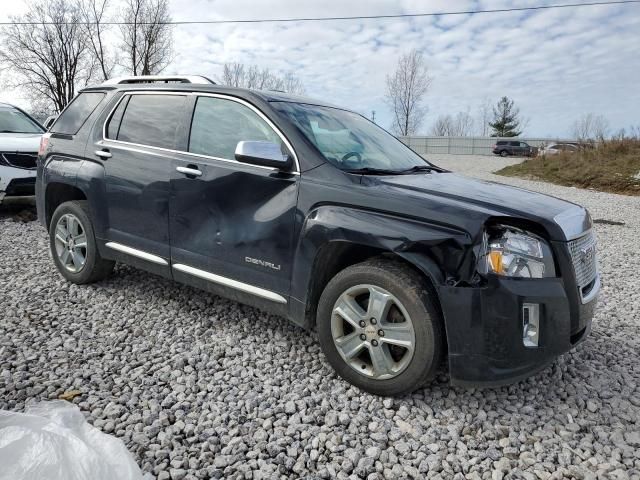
<point>373,116</point>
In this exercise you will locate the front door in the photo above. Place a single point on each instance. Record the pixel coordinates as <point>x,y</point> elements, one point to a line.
<point>137,157</point>
<point>231,223</point>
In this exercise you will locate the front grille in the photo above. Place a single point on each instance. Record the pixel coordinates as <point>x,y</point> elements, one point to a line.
<point>583,255</point>
<point>20,160</point>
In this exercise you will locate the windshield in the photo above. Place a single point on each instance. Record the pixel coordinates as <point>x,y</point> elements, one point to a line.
<point>349,141</point>
<point>13,120</point>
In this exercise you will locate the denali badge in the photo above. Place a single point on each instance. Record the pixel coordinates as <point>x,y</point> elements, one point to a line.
<point>262,263</point>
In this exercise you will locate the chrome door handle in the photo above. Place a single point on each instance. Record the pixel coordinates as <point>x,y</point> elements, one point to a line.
<point>103,154</point>
<point>189,171</point>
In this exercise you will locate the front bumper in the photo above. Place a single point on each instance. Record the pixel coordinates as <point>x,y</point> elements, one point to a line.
<point>485,328</point>
<point>17,181</point>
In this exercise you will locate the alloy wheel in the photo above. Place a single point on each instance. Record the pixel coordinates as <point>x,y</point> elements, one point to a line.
<point>372,331</point>
<point>71,243</point>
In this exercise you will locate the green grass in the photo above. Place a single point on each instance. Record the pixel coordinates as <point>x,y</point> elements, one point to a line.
<point>609,167</point>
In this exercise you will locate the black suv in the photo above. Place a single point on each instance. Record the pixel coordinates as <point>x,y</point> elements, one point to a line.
<point>505,148</point>
<point>315,213</point>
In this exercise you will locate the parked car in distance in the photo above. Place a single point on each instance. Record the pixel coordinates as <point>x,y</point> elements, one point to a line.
<point>19,140</point>
<point>555,148</point>
<point>314,213</point>
<point>506,148</point>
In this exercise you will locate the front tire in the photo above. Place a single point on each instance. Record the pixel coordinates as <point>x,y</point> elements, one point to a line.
<point>379,327</point>
<point>73,244</point>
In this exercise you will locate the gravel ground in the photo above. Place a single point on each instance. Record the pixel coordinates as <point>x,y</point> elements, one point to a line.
<point>201,387</point>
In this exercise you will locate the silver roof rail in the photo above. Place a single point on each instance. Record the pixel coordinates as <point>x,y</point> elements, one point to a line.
<point>196,79</point>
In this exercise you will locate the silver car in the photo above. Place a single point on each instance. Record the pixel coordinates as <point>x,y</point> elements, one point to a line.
<point>19,142</point>
<point>555,148</point>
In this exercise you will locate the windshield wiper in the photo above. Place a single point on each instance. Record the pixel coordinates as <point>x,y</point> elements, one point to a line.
<point>419,168</point>
<point>373,171</point>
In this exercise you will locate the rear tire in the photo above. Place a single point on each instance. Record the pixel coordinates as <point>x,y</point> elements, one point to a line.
<point>398,352</point>
<point>73,244</point>
<point>504,153</point>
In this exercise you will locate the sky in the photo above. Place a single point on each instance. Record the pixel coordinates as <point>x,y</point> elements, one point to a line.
<point>555,64</point>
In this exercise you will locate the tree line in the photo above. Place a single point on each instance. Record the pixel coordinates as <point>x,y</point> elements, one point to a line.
<point>60,46</point>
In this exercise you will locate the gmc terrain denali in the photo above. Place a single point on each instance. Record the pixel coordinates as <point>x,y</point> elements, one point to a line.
<point>314,213</point>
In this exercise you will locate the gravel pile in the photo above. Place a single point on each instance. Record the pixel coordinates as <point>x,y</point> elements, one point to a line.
<point>201,387</point>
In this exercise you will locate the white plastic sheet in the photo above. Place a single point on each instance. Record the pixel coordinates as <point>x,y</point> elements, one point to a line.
<point>52,441</point>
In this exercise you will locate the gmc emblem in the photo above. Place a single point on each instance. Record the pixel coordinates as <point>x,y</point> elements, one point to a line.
<point>586,254</point>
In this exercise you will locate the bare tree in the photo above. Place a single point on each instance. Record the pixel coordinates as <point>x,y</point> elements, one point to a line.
<point>147,36</point>
<point>484,117</point>
<point>590,127</point>
<point>442,127</point>
<point>460,125</point>
<point>46,51</point>
<point>406,89</point>
<point>463,124</point>
<point>254,77</point>
<point>93,14</point>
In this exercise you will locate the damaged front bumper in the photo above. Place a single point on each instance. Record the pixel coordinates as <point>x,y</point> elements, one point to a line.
<point>489,329</point>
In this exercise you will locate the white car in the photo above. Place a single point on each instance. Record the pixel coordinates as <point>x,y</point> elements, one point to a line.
<point>19,142</point>
<point>555,148</point>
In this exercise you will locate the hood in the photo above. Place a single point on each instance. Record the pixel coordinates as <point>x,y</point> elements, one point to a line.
<point>563,220</point>
<point>20,142</point>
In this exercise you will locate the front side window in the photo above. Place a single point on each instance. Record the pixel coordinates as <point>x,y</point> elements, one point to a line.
<point>80,109</point>
<point>348,140</point>
<point>218,125</point>
<point>13,120</point>
<point>153,120</point>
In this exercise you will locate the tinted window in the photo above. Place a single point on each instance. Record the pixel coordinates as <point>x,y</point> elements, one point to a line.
<point>501,142</point>
<point>114,122</point>
<point>77,113</point>
<point>152,120</point>
<point>13,120</point>
<point>514,144</point>
<point>218,125</point>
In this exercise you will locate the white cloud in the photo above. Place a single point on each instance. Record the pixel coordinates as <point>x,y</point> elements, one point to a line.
<point>556,64</point>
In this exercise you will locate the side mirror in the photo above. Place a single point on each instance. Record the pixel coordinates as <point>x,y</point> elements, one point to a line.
<point>267,154</point>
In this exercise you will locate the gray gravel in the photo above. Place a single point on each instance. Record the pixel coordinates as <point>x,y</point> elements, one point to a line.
<point>201,387</point>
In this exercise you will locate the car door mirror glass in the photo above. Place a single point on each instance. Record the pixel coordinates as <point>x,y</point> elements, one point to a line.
<point>261,153</point>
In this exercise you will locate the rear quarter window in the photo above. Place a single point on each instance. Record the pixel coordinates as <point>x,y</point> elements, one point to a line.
<point>77,113</point>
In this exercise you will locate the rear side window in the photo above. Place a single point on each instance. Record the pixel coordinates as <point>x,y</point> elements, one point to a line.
<point>514,144</point>
<point>218,125</point>
<point>72,119</point>
<point>149,120</point>
<point>501,142</point>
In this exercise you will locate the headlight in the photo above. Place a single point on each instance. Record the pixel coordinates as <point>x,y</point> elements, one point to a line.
<point>511,252</point>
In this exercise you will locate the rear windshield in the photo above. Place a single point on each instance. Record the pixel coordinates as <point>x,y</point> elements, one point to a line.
<point>13,120</point>
<point>72,119</point>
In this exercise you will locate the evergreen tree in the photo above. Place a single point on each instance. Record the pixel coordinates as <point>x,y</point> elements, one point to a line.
<point>505,119</point>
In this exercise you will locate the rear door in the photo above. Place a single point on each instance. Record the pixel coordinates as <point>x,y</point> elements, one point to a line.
<point>515,149</point>
<point>140,139</point>
<point>231,223</point>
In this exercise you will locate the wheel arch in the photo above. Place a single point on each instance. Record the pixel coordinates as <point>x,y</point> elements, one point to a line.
<point>331,241</point>
<point>56,194</point>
